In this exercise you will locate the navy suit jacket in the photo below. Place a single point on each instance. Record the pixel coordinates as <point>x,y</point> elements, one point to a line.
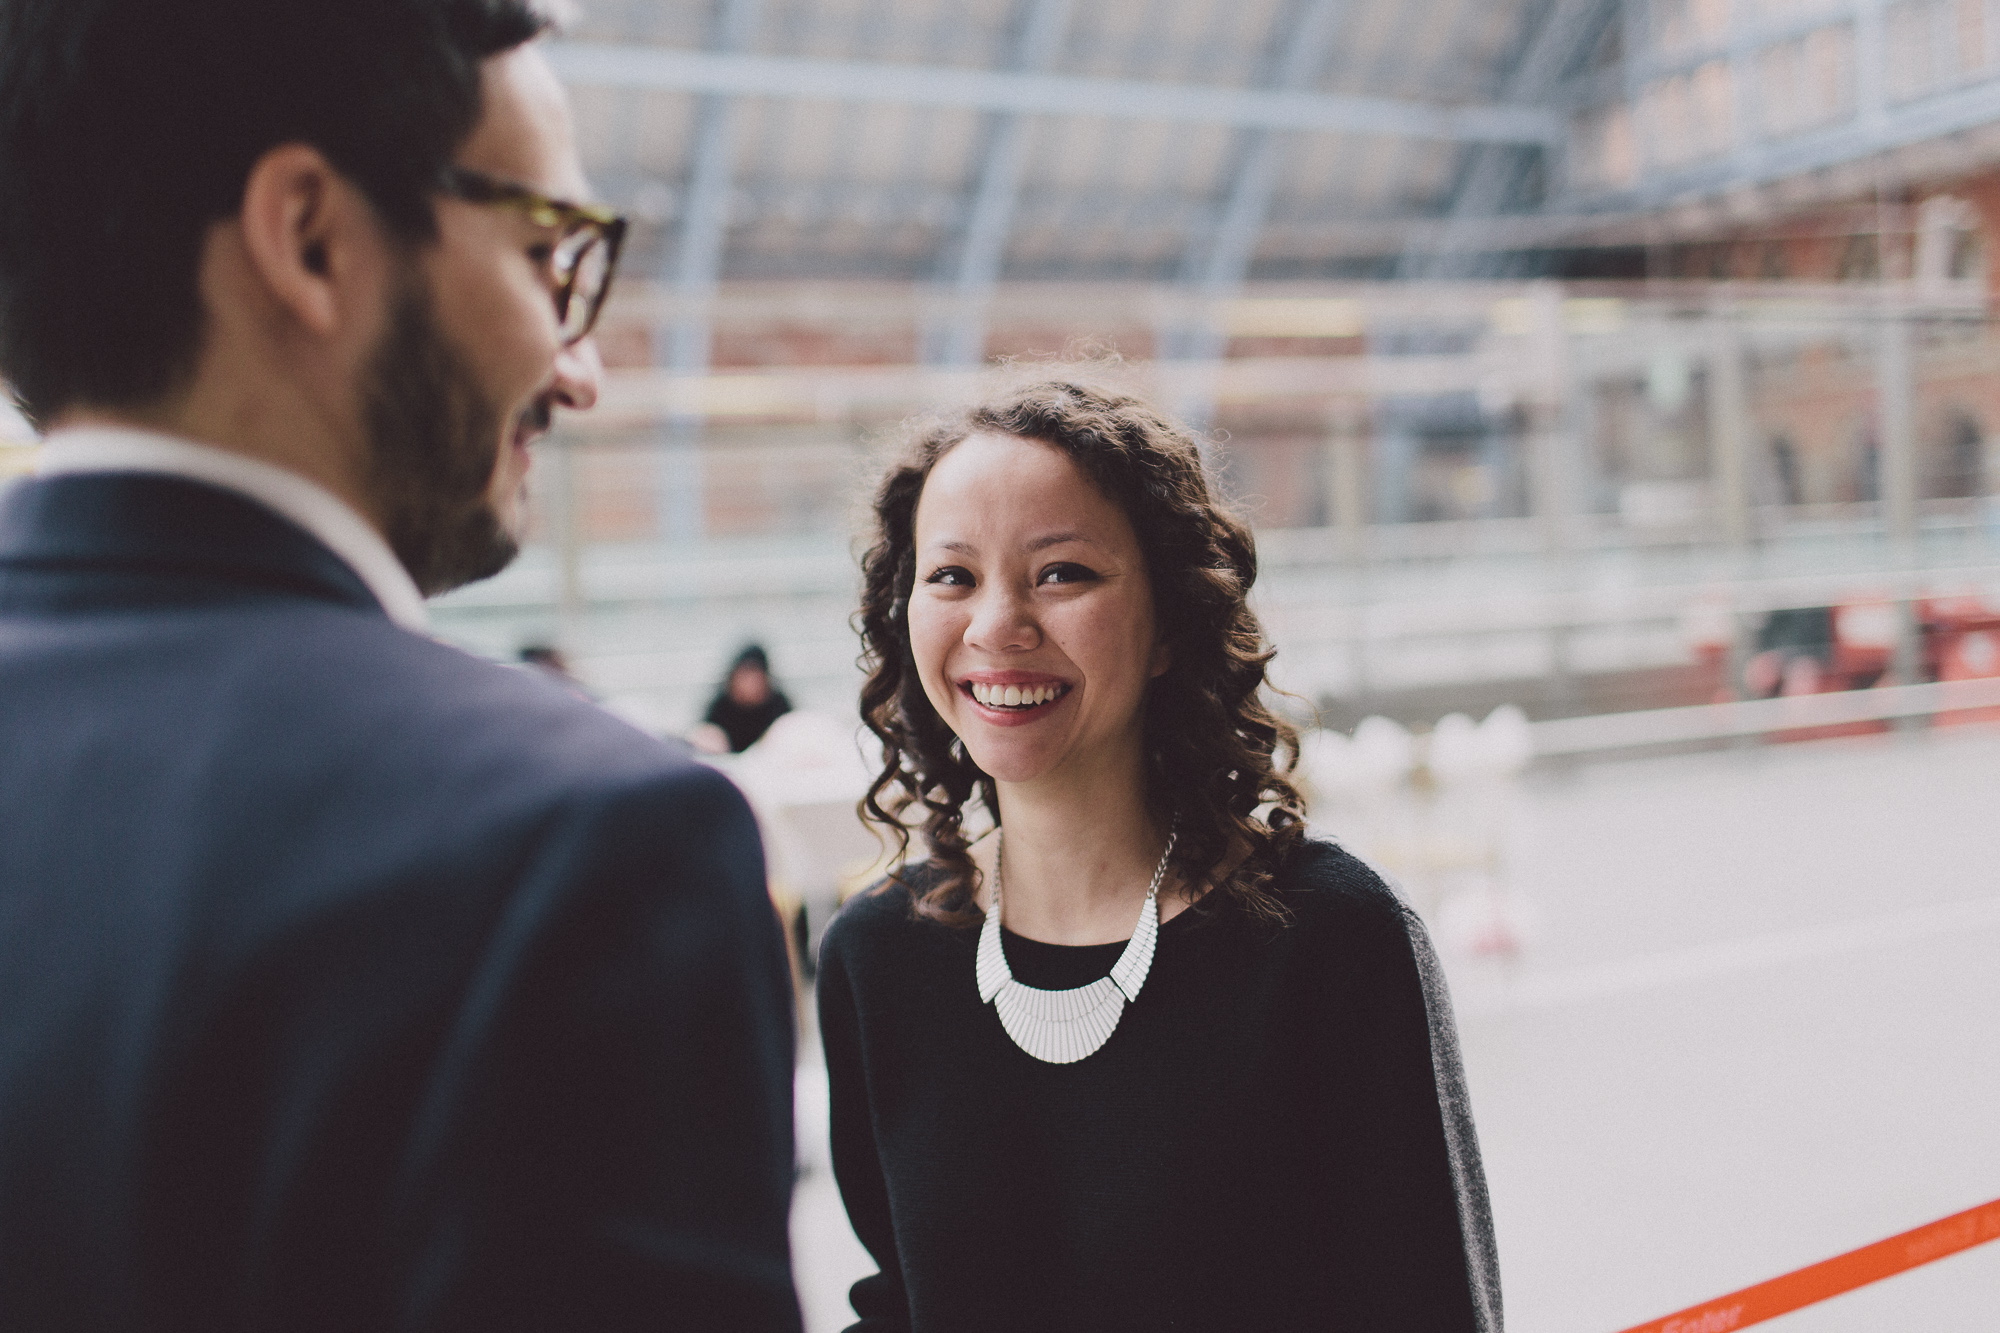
<point>348,982</point>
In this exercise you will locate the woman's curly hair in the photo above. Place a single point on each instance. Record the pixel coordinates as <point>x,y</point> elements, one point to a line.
<point>1212,743</point>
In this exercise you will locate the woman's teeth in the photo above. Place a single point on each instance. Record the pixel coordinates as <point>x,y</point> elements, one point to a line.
<point>1014,696</point>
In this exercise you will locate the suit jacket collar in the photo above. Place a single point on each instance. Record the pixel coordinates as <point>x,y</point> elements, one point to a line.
<point>125,448</point>
<point>146,523</point>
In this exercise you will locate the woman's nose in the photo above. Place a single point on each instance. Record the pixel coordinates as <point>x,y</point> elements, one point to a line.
<point>1002,621</point>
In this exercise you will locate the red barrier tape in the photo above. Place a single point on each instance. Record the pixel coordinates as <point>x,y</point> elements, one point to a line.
<point>1843,1273</point>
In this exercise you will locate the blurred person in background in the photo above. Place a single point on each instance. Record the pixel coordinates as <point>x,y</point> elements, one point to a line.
<point>1145,1056</point>
<point>548,659</point>
<point>1795,651</point>
<point>349,982</point>
<point>552,663</point>
<point>745,706</point>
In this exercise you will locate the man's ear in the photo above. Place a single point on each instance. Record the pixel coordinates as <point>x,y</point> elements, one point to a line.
<point>304,226</point>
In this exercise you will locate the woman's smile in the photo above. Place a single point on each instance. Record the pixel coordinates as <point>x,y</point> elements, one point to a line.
<point>1013,698</point>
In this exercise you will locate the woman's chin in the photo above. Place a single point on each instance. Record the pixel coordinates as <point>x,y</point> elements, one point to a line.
<point>1010,764</point>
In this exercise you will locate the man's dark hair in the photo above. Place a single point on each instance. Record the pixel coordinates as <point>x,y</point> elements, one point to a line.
<point>128,127</point>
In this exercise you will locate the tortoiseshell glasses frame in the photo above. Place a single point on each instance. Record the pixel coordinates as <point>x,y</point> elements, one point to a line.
<point>585,256</point>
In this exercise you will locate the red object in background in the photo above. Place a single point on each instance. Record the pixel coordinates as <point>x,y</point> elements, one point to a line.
<point>1959,640</point>
<point>1836,1276</point>
<point>1970,655</point>
<point>1864,643</point>
<point>1850,646</point>
<point>1962,642</point>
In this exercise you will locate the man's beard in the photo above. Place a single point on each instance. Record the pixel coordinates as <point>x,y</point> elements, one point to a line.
<point>433,441</point>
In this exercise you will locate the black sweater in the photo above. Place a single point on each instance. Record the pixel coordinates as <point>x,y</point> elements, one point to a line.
<point>1275,1137</point>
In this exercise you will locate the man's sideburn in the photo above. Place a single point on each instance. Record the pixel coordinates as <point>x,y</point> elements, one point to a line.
<point>433,444</point>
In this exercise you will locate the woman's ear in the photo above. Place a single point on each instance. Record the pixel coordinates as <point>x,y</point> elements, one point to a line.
<point>1161,660</point>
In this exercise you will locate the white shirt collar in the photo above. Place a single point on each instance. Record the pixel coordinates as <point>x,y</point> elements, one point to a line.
<point>306,503</point>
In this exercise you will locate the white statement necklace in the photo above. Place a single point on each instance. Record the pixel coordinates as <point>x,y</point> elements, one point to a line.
<point>1061,1027</point>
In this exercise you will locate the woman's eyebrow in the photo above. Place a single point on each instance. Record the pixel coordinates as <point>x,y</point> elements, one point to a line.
<point>1034,544</point>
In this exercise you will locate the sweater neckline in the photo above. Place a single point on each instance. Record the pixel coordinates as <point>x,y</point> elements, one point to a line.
<point>1171,926</point>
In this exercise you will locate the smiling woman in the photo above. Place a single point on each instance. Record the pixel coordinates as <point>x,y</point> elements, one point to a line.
<point>1192,1070</point>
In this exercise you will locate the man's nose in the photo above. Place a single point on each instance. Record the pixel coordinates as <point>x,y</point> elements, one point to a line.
<point>579,376</point>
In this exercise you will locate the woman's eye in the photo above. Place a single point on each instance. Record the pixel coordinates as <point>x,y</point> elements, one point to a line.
<point>951,576</point>
<point>543,256</point>
<point>1068,573</point>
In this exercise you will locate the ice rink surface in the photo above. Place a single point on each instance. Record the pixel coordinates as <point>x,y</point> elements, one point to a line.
<point>1756,1023</point>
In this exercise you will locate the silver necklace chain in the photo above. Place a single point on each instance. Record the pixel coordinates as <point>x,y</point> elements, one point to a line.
<point>1060,1027</point>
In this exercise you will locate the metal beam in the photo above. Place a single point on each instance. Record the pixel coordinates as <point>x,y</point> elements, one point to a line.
<point>961,339</point>
<point>1549,443</point>
<point>1762,163</point>
<point>1390,64</point>
<point>1333,236</point>
<point>726,73</point>
<point>1871,72</point>
<point>695,261</point>
<point>1558,44</point>
<point>1548,54</point>
<point>1752,31</point>
<point>1306,48</point>
<point>1216,272</point>
<point>692,267</point>
<point>1875,126</point>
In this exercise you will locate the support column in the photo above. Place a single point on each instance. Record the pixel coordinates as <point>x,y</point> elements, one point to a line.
<point>1216,270</point>
<point>566,533</point>
<point>1551,51</point>
<point>1896,461</point>
<point>1729,427</point>
<point>1870,65</point>
<point>1392,460</point>
<point>1345,477</point>
<point>1729,447</point>
<point>1549,439</point>
<point>1896,476</point>
<point>690,270</point>
<point>958,337</point>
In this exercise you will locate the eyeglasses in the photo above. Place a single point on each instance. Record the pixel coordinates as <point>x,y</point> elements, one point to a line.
<point>585,257</point>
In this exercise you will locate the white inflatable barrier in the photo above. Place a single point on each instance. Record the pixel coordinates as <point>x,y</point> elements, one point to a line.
<point>804,779</point>
<point>1437,813</point>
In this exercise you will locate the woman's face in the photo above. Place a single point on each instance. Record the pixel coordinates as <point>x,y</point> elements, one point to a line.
<point>1031,619</point>
<point>749,685</point>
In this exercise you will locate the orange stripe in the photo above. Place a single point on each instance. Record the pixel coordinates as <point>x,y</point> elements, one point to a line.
<point>1843,1273</point>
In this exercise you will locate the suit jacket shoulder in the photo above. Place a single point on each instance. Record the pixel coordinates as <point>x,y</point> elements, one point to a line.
<point>352,981</point>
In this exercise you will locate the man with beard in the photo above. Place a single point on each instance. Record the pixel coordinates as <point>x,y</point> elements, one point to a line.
<point>346,981</point>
